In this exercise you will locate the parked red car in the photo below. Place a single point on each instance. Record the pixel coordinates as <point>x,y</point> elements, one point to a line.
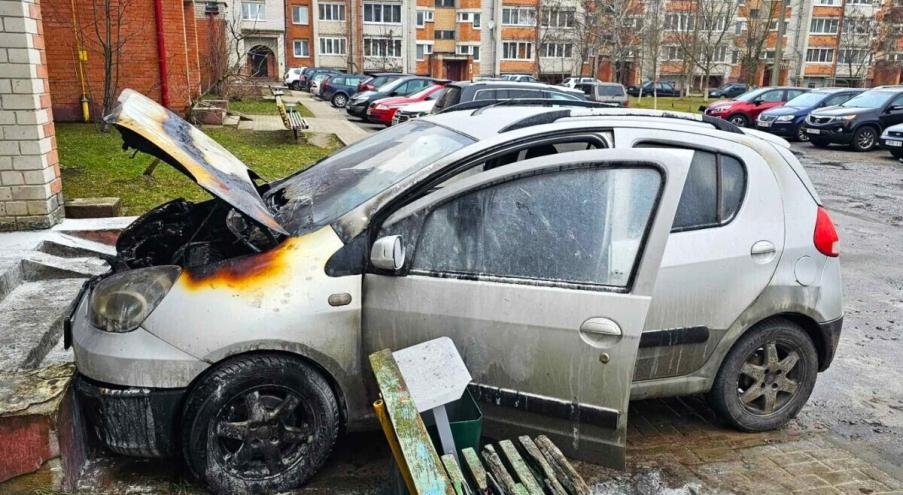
<point>382,111</point>
<point>744,109</point>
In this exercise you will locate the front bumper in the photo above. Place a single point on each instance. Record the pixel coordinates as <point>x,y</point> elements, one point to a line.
<point>830,335</point>
<point>140,422</point>
<point>357,110</point>
<point>381,116</point>
<point>891,143</point>
<point>830,132</point>
<point>787,129</point>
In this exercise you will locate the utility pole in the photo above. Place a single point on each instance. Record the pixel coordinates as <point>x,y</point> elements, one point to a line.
<point>779,44</point>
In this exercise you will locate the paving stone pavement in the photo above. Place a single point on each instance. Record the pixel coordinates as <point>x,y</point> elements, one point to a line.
<point>682,439</point>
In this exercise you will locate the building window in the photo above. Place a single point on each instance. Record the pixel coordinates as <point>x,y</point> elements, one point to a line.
<point>828,3</point>
<point>470,17</point>
<point>518,16</point>
<point>680,22</point>
<point>854,56</point>
<point>671,52</point>
<point>441,34</point>
<point>332,11</point>
<point>820,55</point>
<point>824,25</point>
<point>424,49</point>
<point>859,2</point>
<point>517,50</point>
<point>301,48</point>
<point>773,26</point>
<point>471,50</point>
<point>556,50</point>
<point>560,18</point>
<point>382,47</point>
<point>445,3</point>
<point>858,25</point>
<point>382,13</point>
<point>332,46</point>
<point>253,11</point>
<point>300,15</point>
<point>424,16</point>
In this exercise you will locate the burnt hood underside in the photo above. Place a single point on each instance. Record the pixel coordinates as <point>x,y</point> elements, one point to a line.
<point>148,127</point>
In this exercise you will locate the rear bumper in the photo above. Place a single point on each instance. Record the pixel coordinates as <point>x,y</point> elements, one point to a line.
<point>140,422</point>
<point>830,335</point>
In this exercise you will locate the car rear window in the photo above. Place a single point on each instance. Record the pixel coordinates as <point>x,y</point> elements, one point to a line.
<point>611,90</point>
<point>713,191</point>
<point>451,96</point>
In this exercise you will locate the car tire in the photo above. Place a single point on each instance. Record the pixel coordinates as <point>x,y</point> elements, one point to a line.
<point>898,155</point>
<point>819,142</point>
<point>259,423</point>
<point>766,378</point>
<point>864,139</point>
<point>339,100</point>
<point>801,134</point>
<point>739,120</point>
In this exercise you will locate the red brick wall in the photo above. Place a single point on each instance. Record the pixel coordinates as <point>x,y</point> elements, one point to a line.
<point>138,62</point>
<point>299,32</point>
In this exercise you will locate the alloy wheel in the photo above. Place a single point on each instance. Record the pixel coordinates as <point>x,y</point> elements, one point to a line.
<point>801,134</point>
<point>865,139</point>
<point>262,432</point>
<point>340,100</point>
<point>738,120</point>
<point>769,378</point>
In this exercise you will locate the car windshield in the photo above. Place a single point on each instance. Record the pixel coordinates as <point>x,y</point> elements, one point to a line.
<point>870,99</point>
<point>611,90</point>
<point>436,95</point>
<point>334,186</point>
<point>752,95</point>
<point>807,100</point>
<point>390,86</point>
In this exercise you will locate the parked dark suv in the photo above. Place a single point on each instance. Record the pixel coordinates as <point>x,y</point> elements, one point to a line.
<point>787,120</point>
<point>729,90</point>
<point>465,91</point>
<point>659,89</point>
<point>858,122</point>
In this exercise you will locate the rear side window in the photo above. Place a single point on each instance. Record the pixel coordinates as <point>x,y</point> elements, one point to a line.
<point>337,81</point>
<point>713,192</point>
<point>451,96</point>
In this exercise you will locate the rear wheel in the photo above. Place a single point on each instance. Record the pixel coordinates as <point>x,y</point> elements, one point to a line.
<point>259,423</point>
<point>738,120</point>
<point>339,100</point>
<point>766,377</point>
<point>819,142</point>
<point>864,139</point>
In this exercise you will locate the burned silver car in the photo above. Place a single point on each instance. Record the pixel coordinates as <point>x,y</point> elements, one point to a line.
<point>577,257</point>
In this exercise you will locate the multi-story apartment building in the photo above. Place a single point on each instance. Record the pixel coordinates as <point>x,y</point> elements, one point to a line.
<point>257,29</point>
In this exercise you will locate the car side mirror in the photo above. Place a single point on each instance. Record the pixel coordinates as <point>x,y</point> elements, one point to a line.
<point>387,253</point>
<point>894,108</point>
<point>758,101</point>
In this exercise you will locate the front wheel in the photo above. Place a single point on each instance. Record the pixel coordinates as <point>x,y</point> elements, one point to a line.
<point>864,139</point>
<point>801,134</point>
<point>259,423</point>
<point>898,155</point>
<point>738,120</point>
<point>766,378</point>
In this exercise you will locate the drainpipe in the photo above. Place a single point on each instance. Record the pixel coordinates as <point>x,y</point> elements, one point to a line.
<point>161,53</point>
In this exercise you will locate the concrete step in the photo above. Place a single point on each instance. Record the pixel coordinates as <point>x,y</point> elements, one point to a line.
<point>31,321</point>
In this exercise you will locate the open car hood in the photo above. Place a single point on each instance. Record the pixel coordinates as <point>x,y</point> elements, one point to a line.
<point>148,127</point>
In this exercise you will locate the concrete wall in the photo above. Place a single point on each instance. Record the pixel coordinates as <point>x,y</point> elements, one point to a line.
<point>30,186</point>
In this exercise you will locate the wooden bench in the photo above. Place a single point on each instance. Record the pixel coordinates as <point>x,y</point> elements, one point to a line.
<point>289,113</point>
<point>525,467</point>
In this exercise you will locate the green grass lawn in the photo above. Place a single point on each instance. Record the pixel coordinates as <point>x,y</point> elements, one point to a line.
<point>93,164</point>
<point>690,104</point>
<point>259,106</point>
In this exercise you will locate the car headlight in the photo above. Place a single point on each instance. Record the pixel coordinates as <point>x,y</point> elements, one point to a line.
<point>785,118</point>
<point>121,302</point>
<point>847,117</point>
<point>381,107</point>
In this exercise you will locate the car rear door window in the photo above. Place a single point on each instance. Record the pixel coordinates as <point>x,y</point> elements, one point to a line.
<point>337,81</point>
<point>713,191</point>
<point>581,226</point>
<point>793,93</point>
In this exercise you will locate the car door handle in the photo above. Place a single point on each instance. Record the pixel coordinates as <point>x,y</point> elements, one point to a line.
<point>762,247</point>
<point>601,326</point>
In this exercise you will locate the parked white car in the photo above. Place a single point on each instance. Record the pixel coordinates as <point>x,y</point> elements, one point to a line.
<point>574,81</point>
<point>891,140</point>
<point>413,111</point>
<point>292,76</point>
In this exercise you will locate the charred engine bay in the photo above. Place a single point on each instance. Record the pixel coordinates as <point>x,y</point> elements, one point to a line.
<point>190,235</point>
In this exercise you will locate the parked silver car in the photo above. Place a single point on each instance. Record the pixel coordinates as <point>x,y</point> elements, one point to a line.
<point>577,257</point>
<point>610,93</point>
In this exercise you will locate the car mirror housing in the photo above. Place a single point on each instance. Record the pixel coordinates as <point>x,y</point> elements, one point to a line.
<point>387,253</point>
<point>757,101</point>
<point>894,108</point>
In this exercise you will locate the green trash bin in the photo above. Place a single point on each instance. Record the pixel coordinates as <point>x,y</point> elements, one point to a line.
<point>466,420</point>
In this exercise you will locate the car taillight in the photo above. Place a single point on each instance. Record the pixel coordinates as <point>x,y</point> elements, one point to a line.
<point>825,236</point>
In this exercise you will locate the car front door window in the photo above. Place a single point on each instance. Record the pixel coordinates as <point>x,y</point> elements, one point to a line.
<point>772,96</point>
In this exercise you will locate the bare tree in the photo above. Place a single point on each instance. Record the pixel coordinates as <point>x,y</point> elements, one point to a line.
<point>652,39</point>
<point>703,41</point>
<point>752,41</point>
<point>855,46</point>
<point>621,23</point>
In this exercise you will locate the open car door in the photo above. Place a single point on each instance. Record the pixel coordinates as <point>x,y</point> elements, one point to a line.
<point>541,272</point>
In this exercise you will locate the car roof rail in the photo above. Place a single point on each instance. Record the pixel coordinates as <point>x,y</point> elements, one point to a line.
<point>550,117</point>
<point>480,105</point>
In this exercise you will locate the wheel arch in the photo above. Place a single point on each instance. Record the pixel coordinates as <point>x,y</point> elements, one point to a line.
<point>337,388</point>
<point>813,330</point>
<point>874,125</point>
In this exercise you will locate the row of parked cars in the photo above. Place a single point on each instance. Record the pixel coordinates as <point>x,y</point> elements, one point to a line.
<point>390,98</point>
<point>863,119</point>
